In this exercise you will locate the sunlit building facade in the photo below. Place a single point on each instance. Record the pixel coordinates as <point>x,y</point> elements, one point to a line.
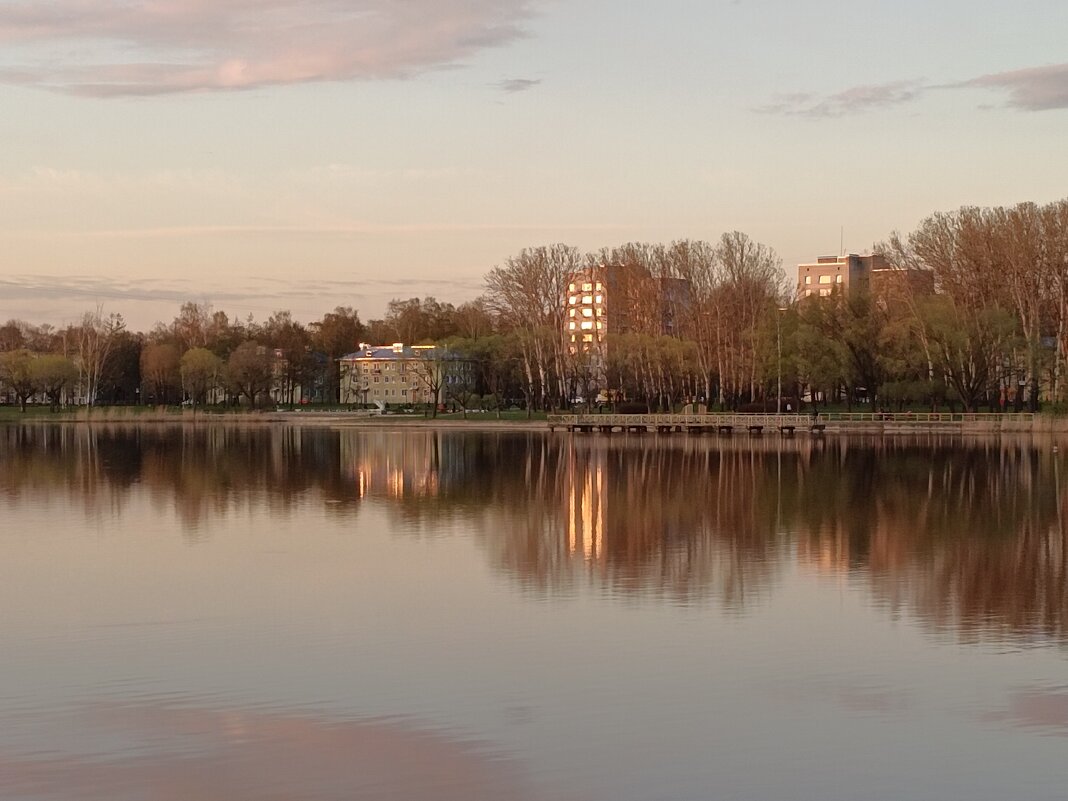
<point>384,375</point>
<point>621,299</point>
<point>852,273</point>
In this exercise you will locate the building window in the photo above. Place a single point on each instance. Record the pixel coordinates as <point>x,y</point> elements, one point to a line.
<point>824,293</point>
<point>808,293</point>
<point>587,326</point>
<point>599,299</point>
<point>571,287</point>
<point>587,337</point>
<point>600,325</point>
<point>587,287</point>
<point>571,326</point>
<point>808,279</point>
<point>825,279</point>
<point>587,312</point>
<point>587,299</point>
<point>571,313</point>
<point>838,279</point>
<point>574,298</point>
<point>599,287</point>
<point>600,312</point>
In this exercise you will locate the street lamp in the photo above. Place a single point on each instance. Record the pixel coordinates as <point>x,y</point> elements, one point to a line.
<point>778,348</point>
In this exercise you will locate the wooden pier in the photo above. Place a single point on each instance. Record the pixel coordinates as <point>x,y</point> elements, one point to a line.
<point>725,424</point>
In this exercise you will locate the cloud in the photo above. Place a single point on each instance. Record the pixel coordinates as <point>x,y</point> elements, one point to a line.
<point>854,100</point>
<point>24,287</point>
<point>144,301</point>
<point>171,46</point>
<point>1031,89</point>
<point>513,85</point>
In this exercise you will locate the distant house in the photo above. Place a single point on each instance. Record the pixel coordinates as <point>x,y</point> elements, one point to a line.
<point>384,375</point>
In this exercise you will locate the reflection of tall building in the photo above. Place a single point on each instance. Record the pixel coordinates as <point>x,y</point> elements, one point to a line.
<point>385,465</point>
<point>587,506</point>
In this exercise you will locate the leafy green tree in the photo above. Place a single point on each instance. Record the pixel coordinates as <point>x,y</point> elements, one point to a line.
<point>968,347</point>
<point>52,374</point>
<point>200,371</point>
<point>821,357</point>
<point>16,373</point>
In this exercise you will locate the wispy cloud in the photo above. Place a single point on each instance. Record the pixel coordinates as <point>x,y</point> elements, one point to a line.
<point>170,46</point>
<point>1031,89</point>
<point>283,229</point>
<point>143,301</point>
<point>513,85</point>
<point>856,99</point>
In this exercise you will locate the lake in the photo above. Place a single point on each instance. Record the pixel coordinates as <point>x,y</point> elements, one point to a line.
<point>288,613</point>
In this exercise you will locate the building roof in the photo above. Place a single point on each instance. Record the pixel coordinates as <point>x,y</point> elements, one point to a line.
<point>395,352</point>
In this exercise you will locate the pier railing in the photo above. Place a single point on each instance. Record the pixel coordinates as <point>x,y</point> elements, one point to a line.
<point>831,421</point>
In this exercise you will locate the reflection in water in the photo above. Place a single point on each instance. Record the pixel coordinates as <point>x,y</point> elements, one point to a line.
<point>1042,709</point>
<point>968,536</point>
<point>169,753</point>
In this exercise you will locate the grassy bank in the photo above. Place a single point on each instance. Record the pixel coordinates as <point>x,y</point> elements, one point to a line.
<point>175,414</point>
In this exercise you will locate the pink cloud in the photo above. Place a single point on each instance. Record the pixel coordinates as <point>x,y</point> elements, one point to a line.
<point>167,46</point>
<point>1032,89</point>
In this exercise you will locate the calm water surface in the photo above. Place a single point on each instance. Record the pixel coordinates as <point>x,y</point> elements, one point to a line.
<point>309,614</point>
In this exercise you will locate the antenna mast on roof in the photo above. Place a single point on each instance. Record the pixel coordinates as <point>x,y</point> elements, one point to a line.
<point>841,241</point>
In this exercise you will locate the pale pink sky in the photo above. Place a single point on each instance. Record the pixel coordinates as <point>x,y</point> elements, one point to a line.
<point>265,154</point>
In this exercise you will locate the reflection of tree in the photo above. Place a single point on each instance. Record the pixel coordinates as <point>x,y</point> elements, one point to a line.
<point>636,517</point>
<point>967,536</point>
<point>964,535</point>
<point>199,470</point>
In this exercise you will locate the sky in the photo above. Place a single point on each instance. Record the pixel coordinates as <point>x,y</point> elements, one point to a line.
<point>259,155</point>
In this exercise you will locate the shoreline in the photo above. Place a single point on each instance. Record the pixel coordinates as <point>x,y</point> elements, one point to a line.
<point>1040,425</point>
<point>312,419</point>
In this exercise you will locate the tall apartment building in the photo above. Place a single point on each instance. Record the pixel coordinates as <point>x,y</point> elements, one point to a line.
<point>620,299</point>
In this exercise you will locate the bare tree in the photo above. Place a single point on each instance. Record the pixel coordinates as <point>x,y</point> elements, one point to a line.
<point>528,294</point>
<point>159,368</point>
<point>430,368</point>
<point>249,372</point>
<point>95,338</point>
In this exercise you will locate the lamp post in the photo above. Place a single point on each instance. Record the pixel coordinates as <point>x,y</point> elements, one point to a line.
<point>778,349</point>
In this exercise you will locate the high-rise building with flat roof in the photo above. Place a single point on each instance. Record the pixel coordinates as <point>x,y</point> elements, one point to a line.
<point>852,273</point>
<point>621,299</point>
<point>846,273</point>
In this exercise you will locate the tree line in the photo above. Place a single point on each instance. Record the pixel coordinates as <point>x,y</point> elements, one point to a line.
<point>706,322</point>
